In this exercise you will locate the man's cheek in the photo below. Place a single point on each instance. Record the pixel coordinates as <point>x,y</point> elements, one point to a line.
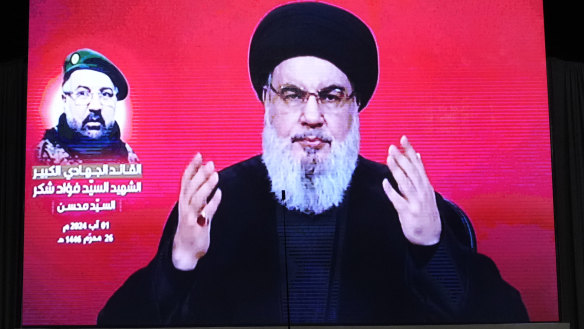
<point>74,122</point>
<point>283,124</point>
<point>79,117</point>
<point>342,127</point>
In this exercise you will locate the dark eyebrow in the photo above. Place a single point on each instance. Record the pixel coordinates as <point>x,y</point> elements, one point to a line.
<point>290,86</point>
<point>331,88</point>
<point>325,89</point>
<point>100,89</point>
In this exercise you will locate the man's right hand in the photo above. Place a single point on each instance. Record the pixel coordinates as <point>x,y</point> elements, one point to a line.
<point>191,240</point>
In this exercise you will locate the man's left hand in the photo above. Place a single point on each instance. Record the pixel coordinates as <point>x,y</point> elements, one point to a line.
<point>416,201</point>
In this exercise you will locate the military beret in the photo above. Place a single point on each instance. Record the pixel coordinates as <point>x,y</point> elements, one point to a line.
<point>88,59</point>
<point>320,30</point>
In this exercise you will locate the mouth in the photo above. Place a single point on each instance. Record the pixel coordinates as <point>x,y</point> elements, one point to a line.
<point>311,142</point>
<point>93,125</point>
<point>93,121</point>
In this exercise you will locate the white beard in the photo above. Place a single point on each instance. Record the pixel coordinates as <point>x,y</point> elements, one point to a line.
<point>311,184</point>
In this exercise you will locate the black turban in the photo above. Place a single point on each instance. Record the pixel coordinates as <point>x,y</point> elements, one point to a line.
<point>320,30</point>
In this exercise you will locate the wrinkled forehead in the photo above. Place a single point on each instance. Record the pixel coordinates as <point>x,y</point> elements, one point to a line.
<point>90,79</point>
<point>310,72</point>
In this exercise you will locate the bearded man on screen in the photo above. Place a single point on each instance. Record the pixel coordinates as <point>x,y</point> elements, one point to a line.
<point>310,232</point>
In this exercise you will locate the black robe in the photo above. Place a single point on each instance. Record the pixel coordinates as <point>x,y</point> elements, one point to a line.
<point>381,277</point>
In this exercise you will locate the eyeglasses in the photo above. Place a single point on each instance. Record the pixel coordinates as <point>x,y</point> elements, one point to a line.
<point>331,98</point>
<point>83,96</point>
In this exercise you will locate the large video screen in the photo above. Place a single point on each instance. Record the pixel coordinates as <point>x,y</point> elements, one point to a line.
<point>464,81</point>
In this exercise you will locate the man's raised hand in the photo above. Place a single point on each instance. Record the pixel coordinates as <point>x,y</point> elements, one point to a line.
<point>416,201</point>
<point>195,214</point>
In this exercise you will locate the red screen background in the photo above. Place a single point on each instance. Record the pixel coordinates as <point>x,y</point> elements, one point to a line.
<point>465,81</point>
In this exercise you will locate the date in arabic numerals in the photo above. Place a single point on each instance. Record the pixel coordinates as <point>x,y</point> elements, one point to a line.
<point>105,225</point>
<point>78,226</point>
<point>73,239</point>
<point>109,238</point>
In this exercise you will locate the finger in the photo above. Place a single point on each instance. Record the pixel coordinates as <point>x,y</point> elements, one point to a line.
<point>409,151</point>
<point>404,186</point>
<point>190,170</point>
<point>402,170</point>
<point>418,173</point>
<point>200,197</point>
<point>202,175</point>
<point>415,158</point>
<point>211,207</point>
<point>402,160</point>
<point>396,199</point>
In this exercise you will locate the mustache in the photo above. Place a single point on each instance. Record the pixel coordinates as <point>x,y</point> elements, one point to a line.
<point>93,117</point>
<point>315,134</point>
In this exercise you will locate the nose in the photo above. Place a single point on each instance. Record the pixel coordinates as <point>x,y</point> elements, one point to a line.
<point>94,102</point>
<point>311,114</point>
